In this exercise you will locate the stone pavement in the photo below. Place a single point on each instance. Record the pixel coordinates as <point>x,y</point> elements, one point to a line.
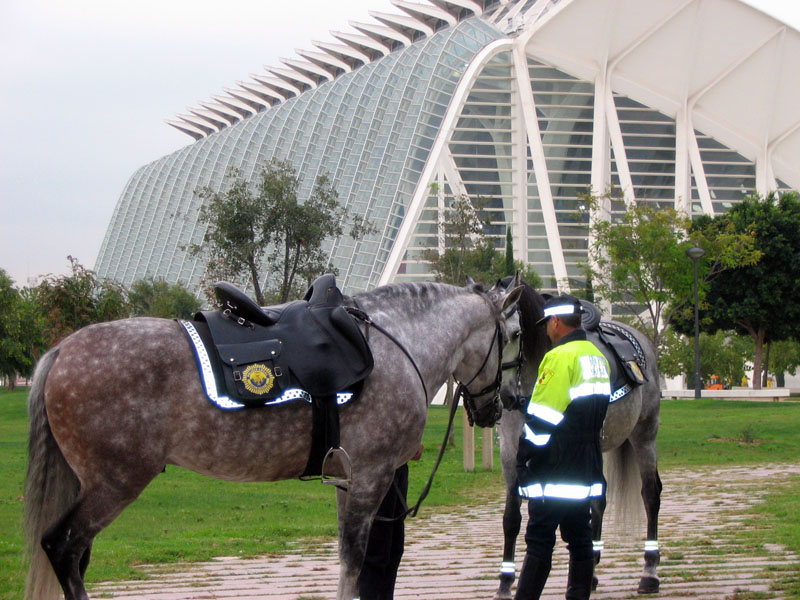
<point>457,554</point>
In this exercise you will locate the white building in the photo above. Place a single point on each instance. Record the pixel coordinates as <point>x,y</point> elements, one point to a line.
<point>526,103</point>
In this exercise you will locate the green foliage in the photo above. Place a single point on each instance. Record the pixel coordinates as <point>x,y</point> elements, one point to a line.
<point>724,353</point>
<point>249,224</point>
<point>469,252</point>
<point>157,298</point>
<point>639,262</point>
<point>69,302</point>
<point>784,357</point>
<point>762,299</point>
<point>510,267</point>
<point>20,331</point>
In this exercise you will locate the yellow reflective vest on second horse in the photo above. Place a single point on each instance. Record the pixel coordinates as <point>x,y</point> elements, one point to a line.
<point>559,450</point>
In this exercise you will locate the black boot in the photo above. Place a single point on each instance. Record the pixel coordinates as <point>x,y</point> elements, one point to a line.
<point>532,578</point>
<point>579,581</point>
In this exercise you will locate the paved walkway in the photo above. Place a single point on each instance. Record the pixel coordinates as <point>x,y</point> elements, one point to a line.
<point>457,555</point>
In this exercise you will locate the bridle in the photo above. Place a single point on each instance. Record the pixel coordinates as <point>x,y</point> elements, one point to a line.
<point>489,413</point>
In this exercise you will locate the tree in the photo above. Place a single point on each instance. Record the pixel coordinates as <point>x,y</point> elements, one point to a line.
<point>638,261</point>
<point>69,302</point>
<point>157,298</point>
<point>249,225</point>
<point>725,354</point>
<point>469,252</point>
<point>20,331</point>
<point>761,300</point>
<point>784,358</point>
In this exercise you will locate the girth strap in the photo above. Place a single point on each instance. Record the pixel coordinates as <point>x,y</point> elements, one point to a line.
<point>324,433</point>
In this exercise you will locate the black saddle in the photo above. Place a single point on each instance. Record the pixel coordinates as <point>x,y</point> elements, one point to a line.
<point>312,344</point>
<point>629,362</point>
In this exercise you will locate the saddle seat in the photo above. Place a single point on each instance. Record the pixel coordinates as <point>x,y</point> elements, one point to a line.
<point>629,363</point>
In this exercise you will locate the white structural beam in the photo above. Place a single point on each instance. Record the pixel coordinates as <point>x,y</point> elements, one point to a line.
<point>256,101</point>
<point>385,35</point>
<point>343,52</point>
<point>326,61</point>
<point>309,69</point>
<point>243,108</point>
<point>363,43</point>
<point>187,128</point>
<point>454,6</point>
<point>519,181</point>
<point>403,24</point>
<point>230,115</point>
<point>280,86</point>
<point>294,78</point>
<point>426,11</point>
<point>265,92</point>
<point>520,60</point>
<point>429,172</point>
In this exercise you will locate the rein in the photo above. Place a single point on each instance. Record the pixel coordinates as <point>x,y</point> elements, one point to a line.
<point>461,391</point>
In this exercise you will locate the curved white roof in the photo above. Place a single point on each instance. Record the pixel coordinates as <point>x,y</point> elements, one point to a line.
<point>728,67</point>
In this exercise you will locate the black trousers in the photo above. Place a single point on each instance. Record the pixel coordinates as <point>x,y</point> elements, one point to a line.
<point>386,542</point>
<point>574,519</point>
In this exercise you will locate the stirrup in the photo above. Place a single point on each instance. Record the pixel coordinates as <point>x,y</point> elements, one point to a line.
<point>348,467</point>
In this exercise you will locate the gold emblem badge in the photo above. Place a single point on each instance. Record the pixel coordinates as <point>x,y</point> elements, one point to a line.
<point>258,379</point>
<point>544,377</point>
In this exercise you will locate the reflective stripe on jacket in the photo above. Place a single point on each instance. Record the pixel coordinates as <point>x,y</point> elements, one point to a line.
<point>559,450</point>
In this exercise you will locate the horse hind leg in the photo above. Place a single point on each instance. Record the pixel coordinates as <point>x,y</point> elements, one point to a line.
<point>651,494</point>
<point>68,543</point>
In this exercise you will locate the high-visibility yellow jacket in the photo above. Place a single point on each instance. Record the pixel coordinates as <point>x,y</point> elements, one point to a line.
<point>559,450</point>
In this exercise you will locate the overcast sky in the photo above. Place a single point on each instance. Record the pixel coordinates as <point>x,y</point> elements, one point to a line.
<point>85,87</point>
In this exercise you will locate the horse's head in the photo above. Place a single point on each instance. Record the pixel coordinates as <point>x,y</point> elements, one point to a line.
<point>483,406</point>
<point>525,348</point>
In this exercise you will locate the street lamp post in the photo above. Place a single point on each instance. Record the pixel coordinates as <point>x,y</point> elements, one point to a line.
<point>695,253</point>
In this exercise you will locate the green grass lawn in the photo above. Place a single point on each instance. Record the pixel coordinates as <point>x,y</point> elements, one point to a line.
<point>183,516</point>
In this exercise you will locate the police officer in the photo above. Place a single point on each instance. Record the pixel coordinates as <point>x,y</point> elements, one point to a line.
<point>559,463</point>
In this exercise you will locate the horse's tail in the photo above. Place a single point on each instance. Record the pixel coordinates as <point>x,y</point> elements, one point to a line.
<point>50,487</point>
<point>624,489</point>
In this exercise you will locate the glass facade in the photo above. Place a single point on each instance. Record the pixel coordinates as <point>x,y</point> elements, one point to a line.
<point>421,122</point>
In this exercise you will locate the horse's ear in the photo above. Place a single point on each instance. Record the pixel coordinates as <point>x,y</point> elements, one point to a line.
<point>470,281</point>
<point>511,298</point>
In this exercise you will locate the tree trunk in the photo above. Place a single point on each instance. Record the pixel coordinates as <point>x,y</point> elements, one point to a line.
<point>758,359</point>
<point>256,284</point>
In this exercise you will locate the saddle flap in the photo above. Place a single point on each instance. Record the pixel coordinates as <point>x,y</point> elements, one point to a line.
<point>243,354</point>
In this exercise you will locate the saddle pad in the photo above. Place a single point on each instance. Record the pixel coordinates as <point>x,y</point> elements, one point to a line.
<point>212,383</point>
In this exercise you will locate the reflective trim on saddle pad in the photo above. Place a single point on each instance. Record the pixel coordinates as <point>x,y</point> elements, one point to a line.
<point>226,403</point>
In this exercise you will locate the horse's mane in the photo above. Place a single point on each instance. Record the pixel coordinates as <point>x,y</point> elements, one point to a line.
<point>531,305</point>
<point>416,295</point>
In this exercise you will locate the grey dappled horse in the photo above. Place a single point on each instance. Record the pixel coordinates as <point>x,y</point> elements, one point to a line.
<point>628,442</point>
<point>115,402</point>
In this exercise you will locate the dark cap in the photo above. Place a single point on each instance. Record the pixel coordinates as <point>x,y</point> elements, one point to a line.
<point>559,306</point>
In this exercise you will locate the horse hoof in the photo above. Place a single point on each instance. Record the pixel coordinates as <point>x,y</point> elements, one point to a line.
<point>503,595</point>
<point>595,581</point>
<point>648,585</point>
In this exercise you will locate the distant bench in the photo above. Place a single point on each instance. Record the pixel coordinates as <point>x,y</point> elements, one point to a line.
<point>774,394</point>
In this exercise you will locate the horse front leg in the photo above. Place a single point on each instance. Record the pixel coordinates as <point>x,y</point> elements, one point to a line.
<point>356,508</point>
<point>512,520</point>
